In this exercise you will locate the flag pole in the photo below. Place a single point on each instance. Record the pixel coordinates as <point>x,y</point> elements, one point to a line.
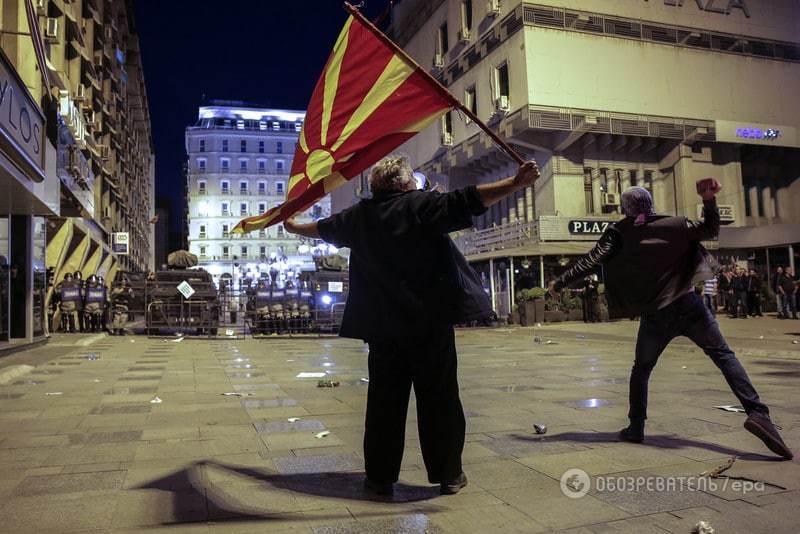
<point>442,89</point>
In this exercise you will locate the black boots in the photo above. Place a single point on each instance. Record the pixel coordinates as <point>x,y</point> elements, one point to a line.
<point>761,426</point>
<point>634,433</point>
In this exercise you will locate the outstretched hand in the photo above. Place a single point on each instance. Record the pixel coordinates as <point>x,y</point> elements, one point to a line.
<point>707,188</point>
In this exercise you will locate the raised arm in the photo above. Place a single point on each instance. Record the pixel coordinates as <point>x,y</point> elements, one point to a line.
<point>494,192</point>
<point>708,228</point>
<point>605,249</point>
<point>303,229</point>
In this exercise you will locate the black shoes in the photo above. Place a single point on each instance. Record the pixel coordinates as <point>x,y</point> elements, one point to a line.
<point>378,488</point>
<point>454,486</point>
<point>634,433</point>
<point>760,426</point>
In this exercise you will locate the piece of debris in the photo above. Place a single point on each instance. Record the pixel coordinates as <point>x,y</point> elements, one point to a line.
<point>537,339</point>
<point>327,384</point>
<point>236,394</point>
<point>54,393</point>
<point>795,342</point>
<point>92,356</point>
<point>538,325</point>
<point>155,400</point>
<point>703,527</point>
<point>580,336</point>
<point>760,337</point>
<point>320,435</point>
<point>684,367</point>
<point>133,341</point>
<point>178,339</point>
<point>310,375</point>
<point>96,380</point>
<point>540,428</point>
<point>717,471</point>
<point>365,380</point>
<point>293,419</point>
<point>731,408</point>
<point>289,360</point>
<point>229,332</point>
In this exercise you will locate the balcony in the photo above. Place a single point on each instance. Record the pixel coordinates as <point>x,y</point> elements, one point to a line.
<point>507,236</point>
<point>226,235</point>
<point>201,235</point>
<point>202,191</point>
<point>225,191</point>
<point>244,192</point>
<point>262,170</point>
<point>242,170</point>
<point>225,169</point>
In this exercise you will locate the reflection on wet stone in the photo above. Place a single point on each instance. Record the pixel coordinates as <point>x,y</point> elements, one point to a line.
<point>117,409</point>
<point>145,368</point>
<point>251,387</point>
<point>588,403</point>
<point>408,524</point>
<point>513,388</point>
<point>285,426</point>
<point>104,437</point>
<point>141,378</point>
<point>245,375</point>
<point>130,391</point>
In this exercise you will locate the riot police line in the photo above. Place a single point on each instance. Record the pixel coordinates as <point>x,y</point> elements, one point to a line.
<point>88,306</point>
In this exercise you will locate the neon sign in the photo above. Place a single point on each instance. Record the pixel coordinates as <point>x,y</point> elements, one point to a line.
<point>767,134</point>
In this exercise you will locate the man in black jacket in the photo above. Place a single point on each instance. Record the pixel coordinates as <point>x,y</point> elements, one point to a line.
<point>651,264</point>
<point>739,287</point>
<point>408,286</point>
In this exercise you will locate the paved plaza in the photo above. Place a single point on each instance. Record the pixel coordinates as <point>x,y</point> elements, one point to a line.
<point>239,443</point>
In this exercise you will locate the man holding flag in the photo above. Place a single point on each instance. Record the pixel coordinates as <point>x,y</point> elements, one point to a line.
<point>408,286</point>
<point>408,282</point>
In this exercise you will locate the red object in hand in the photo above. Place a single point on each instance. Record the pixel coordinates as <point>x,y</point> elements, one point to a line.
<point>707,188</point>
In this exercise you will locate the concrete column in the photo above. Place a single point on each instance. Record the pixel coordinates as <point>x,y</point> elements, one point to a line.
<point>529,208</point>
<point>521,207</point>
<point>783,204</point>
<point>541,271</point>
<point>752,193</point>
<point>659,193</point>
<point>769,207</point>
<point>791,258</point>
<point>597,198</point>
<point>491,283</point>
<point>504,211</point>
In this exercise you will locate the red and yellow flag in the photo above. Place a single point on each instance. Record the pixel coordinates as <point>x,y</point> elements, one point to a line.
<point>369,100</point>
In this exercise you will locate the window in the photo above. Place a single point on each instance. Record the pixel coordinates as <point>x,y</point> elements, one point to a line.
<point>262,251</point>
<point>280,230</point>
<point>242,165</point>
<point>447,123</point>
<point>202,145</point>
<point>279,166</point>
<point>262,207</point>
<point>201,188</point>
<point>226,251</point>
<point>225,230</point>
<point>279,147</point>
<point>243,146</point>
<point>279,188</point>
<point>224,145</point>
<point>633,178</point>
<point>276,125</point>
<point>202,233</point>
<point>242,188</point>
<point>225,211</point>
<point>225,186</point>
<point>471,100</point>
<point>298,126</point>
<point>466,16</point>
<point>588,197</point>
<point>648,180</point>
<point>225,165</point>
<point>262,188</point>
<point>442,42</point>
<point>243,208</point>
<point>239,124</point>
<point>202,251</point>
<point>201,164</point>
<point>243,249</point>
<point>261,147</point>
<point>501,79</point>
<point>262,166</point>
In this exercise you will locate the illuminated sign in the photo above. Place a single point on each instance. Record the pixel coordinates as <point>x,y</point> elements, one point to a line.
<point>119,243</point>
<point>713,6</point>
<point>588,227</point>
<point>758,133</point>
<point>726,214</point>
<point>21,124</point>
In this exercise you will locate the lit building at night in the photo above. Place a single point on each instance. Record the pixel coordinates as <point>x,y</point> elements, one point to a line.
<point>239,158</point>
<point>606,95</point>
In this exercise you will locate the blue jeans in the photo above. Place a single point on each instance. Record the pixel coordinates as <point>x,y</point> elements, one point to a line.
<point>688,317</point>
<point>788,304</point>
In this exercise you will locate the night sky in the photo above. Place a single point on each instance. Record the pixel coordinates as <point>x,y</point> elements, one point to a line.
<point>270,52</point>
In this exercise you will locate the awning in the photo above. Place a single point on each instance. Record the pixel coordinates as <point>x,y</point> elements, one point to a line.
<point>553,248</point>
<point>769,235</point>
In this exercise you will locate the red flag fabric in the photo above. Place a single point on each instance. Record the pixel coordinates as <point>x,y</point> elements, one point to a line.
<point>368,101</point>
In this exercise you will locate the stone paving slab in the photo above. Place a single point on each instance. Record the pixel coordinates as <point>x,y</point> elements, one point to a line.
<point>100,456</point>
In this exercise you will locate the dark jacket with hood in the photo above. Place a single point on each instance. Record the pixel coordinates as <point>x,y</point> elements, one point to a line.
<point>405,272</point>
<point>649,266</point>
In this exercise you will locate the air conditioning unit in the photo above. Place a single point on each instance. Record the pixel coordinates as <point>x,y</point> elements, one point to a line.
<point>464,35</point>
<point>51,29</point>
<point>501,104</point>
<point>438,61</point>
<point>493,8</point>
<point>80,93</point>
<point>41,6</point>
<point>447,139</point>
<point>610,199</point>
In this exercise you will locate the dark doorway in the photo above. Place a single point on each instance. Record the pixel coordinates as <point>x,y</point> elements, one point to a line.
<point>18,283</point>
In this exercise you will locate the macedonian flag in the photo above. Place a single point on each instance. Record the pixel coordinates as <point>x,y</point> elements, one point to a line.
<point>369,100</point>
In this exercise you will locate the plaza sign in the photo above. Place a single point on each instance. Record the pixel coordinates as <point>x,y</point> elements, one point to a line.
<point>21,124</point>
<point>724,7</point>
<point>588,227</point>
<point>558,228</point>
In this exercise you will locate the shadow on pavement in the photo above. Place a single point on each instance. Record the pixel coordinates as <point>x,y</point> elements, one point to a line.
<point>190,488</point>
<point>660,441</point>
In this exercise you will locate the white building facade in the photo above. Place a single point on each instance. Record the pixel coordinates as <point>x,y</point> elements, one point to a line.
<point>239,158</point>
<point>606,94</point>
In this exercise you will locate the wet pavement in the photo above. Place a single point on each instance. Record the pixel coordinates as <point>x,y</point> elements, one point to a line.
<point>239,443</point>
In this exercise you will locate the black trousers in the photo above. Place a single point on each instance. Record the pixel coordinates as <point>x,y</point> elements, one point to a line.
<point>428,362</point>
<point>688,317</point>
<point>754,303</point>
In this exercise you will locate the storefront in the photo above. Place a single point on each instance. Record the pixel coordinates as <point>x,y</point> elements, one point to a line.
<point>27,196</point>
